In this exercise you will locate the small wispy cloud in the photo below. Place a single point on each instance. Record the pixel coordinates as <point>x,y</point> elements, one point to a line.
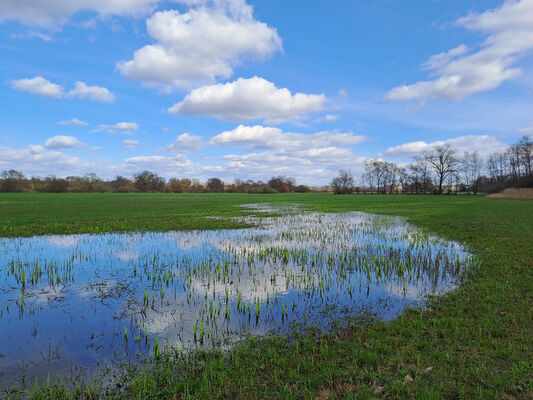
<point>95,93</point>
<point>66,142</point>
<point>33,35</point>
<point>125,128</point>
<point>327,118</point>
<point>73,121</point>
<point>130,144</point>
<point>43,87</point>
<point>38,85</point>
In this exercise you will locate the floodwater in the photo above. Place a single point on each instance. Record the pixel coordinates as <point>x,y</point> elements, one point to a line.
<point>72,303</point>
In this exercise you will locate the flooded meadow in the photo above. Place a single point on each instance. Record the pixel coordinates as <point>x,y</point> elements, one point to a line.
<point>72,304</point>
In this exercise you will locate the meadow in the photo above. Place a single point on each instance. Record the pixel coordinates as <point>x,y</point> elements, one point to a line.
<point>474,342</point>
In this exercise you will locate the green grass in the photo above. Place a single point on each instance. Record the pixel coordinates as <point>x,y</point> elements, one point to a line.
<point>474,343</point>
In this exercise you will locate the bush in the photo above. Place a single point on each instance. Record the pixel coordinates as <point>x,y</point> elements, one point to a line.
<point>262,190</point>
<point>174,186</point>
<point>302,189</point>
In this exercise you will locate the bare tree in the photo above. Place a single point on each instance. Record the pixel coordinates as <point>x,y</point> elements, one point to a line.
<point>525,149</point>
<point>122,184</point>
<point>513,157</point>
<point>498,166</point>
<point>492,166</point>
<point>368,176</point>
<point>12,181</point>
<point>186,183</point>
<point>215,185</point>
<point>343,183</point>
<point>443,161</point>
<point>470,168</point>
<point>402,178</point>
<point>174,186</point>
<point>390,176</point>
<point>419,174</point>
<point>282,184</point>
<point>148,181</point>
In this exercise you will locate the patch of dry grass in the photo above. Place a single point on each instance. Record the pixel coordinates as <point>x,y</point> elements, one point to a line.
<point>513,193</point>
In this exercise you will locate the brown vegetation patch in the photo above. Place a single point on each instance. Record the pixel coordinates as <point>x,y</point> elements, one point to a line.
<point>513,193</point>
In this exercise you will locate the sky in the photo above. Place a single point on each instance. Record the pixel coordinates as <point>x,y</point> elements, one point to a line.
<point>252,89</point>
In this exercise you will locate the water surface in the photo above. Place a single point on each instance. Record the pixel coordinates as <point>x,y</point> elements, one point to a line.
<point>69,304</point>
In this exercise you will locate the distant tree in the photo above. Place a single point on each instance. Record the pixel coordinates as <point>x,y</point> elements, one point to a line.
<point>470,168</point>
<point>282,184</point>
<point>241,186</point>
<point>53,184</point>
<point>76,184</point>
<point>302,189</point>
<point>36,184</point>
<point>291,183</point>
<point>367,178</point>
<point>390,176</point>
<point>443,161</point>
<point>122,184</point>
<point>174,186</point>
<point>261,189</point>
<point>525,149</point>
<point>420,174</point>
<point>148,181</point>
<point>88,183</point>
<point>402,178</point>
<point>186,183</point>
<point>215,185</point>
<point>12,181</point>
<point>514,160</point>
<point>196,186</point>
<point>343,183</point>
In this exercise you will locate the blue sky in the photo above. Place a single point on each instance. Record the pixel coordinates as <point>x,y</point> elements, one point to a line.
<point>251,89</point>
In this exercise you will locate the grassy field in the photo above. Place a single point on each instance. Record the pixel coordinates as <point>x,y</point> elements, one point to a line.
<point>474,343</point>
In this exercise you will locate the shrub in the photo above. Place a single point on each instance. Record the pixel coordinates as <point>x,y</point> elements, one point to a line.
<point>302,189</point>
<point>261,190</point>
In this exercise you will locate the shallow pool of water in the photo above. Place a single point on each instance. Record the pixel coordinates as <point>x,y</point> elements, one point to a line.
<point>69,303</point>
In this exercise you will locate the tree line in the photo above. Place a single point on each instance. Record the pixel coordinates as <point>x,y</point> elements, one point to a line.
<point>440,170</point>
<point>144,182</point>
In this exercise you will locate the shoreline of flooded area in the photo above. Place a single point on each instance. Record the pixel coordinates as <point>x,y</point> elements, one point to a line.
<point>70,303</point>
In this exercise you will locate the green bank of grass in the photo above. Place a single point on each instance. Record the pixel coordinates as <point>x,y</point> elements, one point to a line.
<point>474,343</point>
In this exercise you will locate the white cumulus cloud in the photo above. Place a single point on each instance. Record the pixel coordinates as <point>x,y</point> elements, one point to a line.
<point>200,45</point>
<point>528,130</point>
<point>459,73</point>
<point>186,143</point>
<point>177,165</point>
<point>36,160</point>
<point>38,85</point>
<point>55,13</point>
<point>41,86</point>
<point>73,121</point>
<point>249,99</point>
<point>95,93</point>
<point>64,142</point>
<point>260,137</point>
<point>328,118</point>
<point>309,166</point>
<point>130,144</point>
<point>310,158</point>
<point>483,144</point>
<point>126,128</point>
